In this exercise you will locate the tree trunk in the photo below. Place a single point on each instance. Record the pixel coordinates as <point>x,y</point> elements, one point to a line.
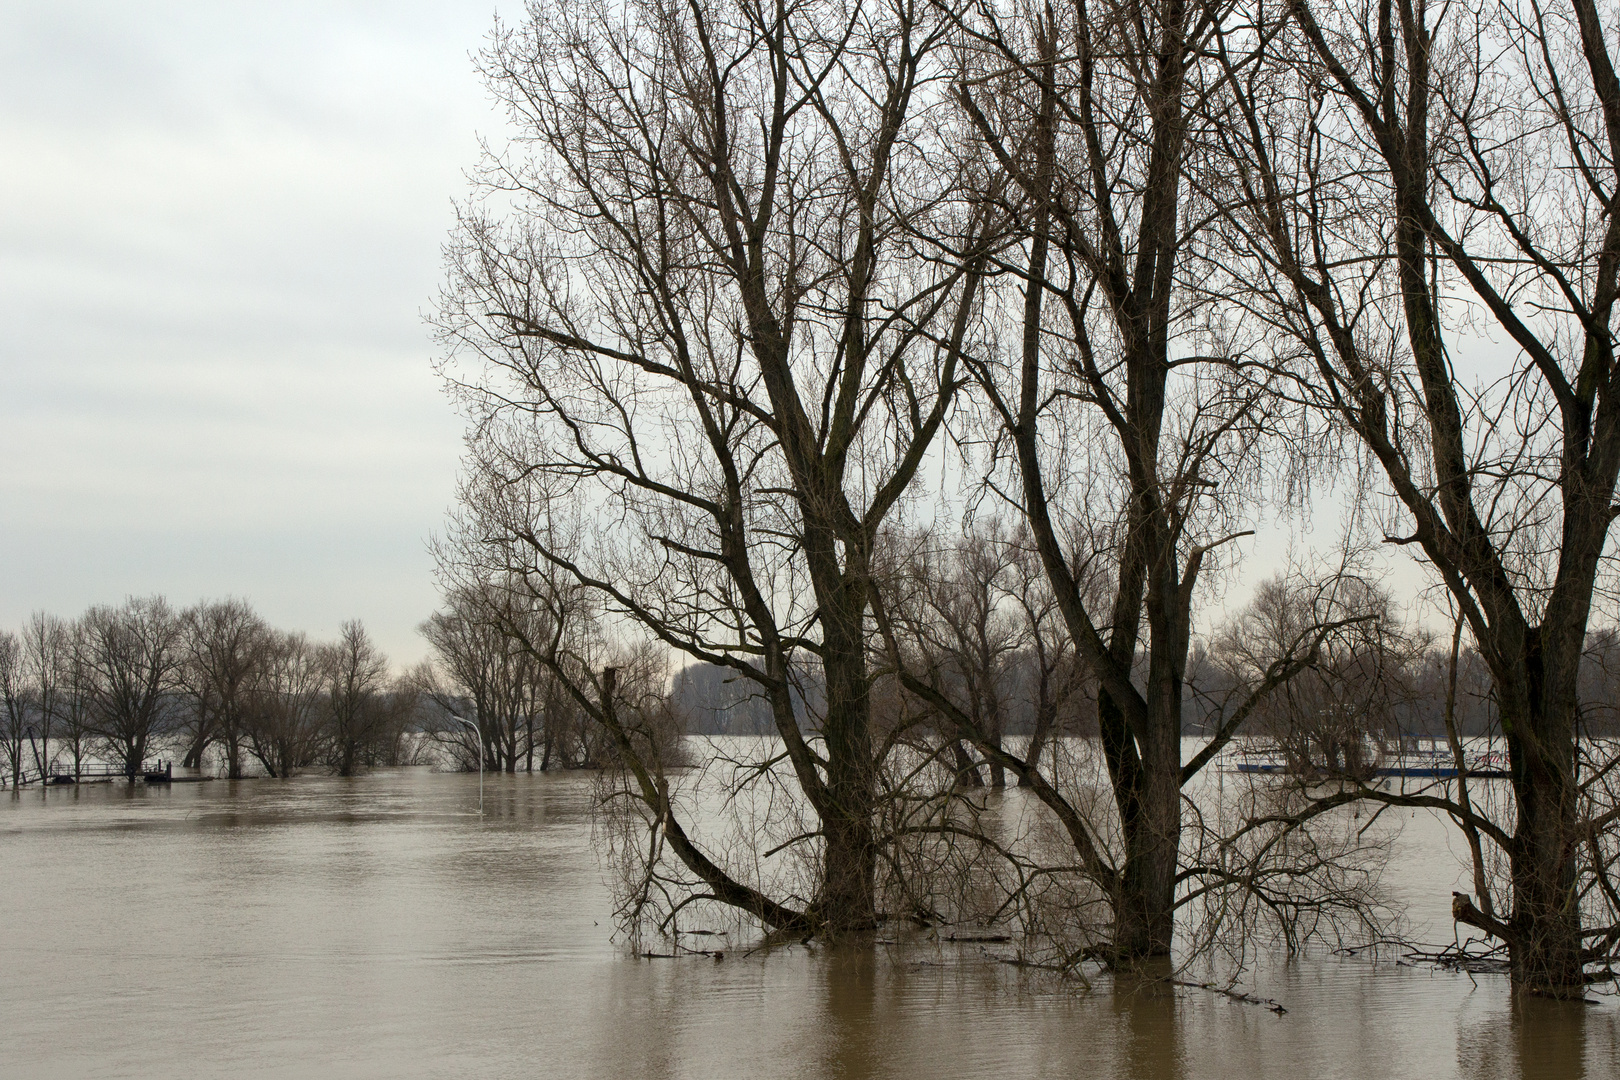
<point>848,899</point>
<point>1546,951</point>
<point>967,771</point>
<point>998,774</point>
<point>1044,712</point>
<point>194,752</point>
<point>1146,911</point>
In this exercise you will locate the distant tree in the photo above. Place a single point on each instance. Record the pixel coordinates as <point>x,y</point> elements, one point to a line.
<point>46,646</point>
<point>716,701</point>
<point>1343,712</point>
<point>72,723</point>
<point>225,645</point>
<point>481,671</point>
<point>285,704</point>
<point>14,706</point>
<point>1600,684</point>
<point>131,658</point>
<point>986,625</point>
<point>357,714</point>
<point>967,634</point>
<point>1053,683</point>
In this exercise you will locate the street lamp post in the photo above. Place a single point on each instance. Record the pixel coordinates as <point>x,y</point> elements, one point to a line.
<point>478,738</point>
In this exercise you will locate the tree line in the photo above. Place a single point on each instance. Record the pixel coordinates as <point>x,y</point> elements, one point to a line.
<point>121,683</point>
<point>1030,687</point>
<point>763,281</point>
<point>215,683</point>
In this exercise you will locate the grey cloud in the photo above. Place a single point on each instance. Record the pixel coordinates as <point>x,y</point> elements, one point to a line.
<point>215,244</point>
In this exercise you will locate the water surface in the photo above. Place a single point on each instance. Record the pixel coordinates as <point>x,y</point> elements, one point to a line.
<point>377,927</point>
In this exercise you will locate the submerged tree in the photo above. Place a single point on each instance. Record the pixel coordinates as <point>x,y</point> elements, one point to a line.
<point>482,673</point>
<point>286,704</point>
<point>1412,184</point>
<point>1123,429</point>
<point>705,320</point>
<point>360,717</point>
<point>14,707</point>
<point>131,658</point>
<point>959,620</point>
<point>225,647</point>
<point>71,726</point>
<point>1350,708</point>
<point>46,658</point>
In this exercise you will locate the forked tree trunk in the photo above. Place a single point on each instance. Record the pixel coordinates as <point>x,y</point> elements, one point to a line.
<point>1148,797</point>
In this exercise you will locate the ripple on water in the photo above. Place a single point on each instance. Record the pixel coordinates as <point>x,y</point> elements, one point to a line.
<point>378,926</point>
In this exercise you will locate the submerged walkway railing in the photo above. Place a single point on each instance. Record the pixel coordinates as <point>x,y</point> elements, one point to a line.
<point>155,772</point>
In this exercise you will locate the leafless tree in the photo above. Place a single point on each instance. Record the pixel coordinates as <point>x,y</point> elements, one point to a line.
<point>285,704</point>
<point>978,615</point>
<point>1411,181</point>
<point>481,671</point>
<point>965,632</point>
<point>46,649</point>
<point>72,721</point>
<point>225,644</point>
<point>1124,429</point>
<point>1056,685</point>
<point>1342,715</point>
<point>14,706</point>
<point>359,716</point>
<point>705,318</point>
<point>131,657</point>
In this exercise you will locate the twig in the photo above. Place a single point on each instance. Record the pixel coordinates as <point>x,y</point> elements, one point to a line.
<point>1236,995</point>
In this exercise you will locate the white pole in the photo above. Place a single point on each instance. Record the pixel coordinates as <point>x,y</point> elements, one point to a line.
<point>478,737</point>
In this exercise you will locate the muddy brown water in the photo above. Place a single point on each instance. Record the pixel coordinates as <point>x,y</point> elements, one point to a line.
<point>378,927</point>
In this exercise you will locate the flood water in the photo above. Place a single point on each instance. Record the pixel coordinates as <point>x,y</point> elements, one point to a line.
<point>378,927</point>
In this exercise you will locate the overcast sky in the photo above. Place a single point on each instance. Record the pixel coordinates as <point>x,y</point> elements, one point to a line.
<point>219,230</point>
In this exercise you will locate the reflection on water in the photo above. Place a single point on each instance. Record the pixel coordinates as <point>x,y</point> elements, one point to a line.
<point>378,927</point>
<point>1537,1038</point>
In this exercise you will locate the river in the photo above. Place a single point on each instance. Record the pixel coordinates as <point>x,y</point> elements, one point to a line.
<point>378,927</point>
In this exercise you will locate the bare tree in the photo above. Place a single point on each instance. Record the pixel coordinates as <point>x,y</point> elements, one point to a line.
<point>987,626</point>
<point>225,643</point>
<point>965,632</point>
<point>357,714</point>
<point>285,704</point>
<point>14,706</point>
<point>1341,717</point>
<point>73,699</point>
<point>46,649</point>
<point>131,657</point>
<point>1130,434</point>
<point>483,673</point>
<point>1410,179</point>
<point>707,320</point>
<point>1056,686</point>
